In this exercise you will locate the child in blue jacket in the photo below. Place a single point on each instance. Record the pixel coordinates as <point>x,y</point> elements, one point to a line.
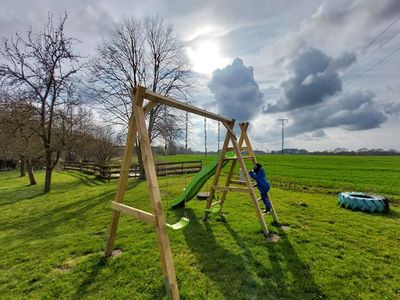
<point>263,185</point>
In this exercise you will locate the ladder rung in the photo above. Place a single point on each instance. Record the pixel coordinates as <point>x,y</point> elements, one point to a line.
<point>216,203</point>
<point>242,182</point>
<point>245,148</point>
<point>248,157</point>
<point>231,158</point>
<point>235,158</point>
<point>231,189</point>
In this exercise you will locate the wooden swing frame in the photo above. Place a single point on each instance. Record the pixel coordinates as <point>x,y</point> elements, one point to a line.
<point>137,128</point>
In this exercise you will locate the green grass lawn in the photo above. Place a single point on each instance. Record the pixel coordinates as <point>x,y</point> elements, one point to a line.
<point>52,244</point>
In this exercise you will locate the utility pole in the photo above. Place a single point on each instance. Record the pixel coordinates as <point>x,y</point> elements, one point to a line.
<point>282,122</point>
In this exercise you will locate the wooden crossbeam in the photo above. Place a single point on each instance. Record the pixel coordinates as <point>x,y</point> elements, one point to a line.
<point>134,212</point>
<point>183,106</point>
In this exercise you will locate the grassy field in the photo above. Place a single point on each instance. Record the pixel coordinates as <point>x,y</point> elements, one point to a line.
<point>328,174</point>
<point>52,244</point>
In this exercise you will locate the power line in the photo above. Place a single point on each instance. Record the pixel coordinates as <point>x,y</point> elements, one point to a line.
<point>376,38</point>
<point>376,64</point>
<point>371,54</point>
<point>365,48</point>
<point>386,29</point>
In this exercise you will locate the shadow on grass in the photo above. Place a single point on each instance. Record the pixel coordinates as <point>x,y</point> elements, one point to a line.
<point>29,192</point>
<point>243,275</point>
<point>225,268</point>
<point>85,179</point>
<point>286,264</point>
<point>74,214</point>
<point>281,254</point>
<point>392,214</point>
<point>46,224</point>
<point>19,196</point>
<point>90,278</point>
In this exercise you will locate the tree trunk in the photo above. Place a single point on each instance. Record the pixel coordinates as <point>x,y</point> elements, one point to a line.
<point>31,175</point>
<point>49,170</point>
<point>22,166</point>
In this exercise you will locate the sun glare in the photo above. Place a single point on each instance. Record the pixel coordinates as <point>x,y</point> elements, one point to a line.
<point>206,58</point>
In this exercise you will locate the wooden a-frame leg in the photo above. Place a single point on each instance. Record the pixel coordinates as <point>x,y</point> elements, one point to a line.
<point>253,196</point>
<point>123,178</point>
<point>155,199</point>
<point>232,169</point>
<point>219,167</point>
<point>228,181</point>
<point>244,127</point>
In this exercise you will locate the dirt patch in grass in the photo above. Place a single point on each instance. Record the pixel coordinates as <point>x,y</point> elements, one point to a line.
<point>116,253</point>
<point>273,238</point>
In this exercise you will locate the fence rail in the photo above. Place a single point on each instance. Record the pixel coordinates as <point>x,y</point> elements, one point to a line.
<point>109,172</point>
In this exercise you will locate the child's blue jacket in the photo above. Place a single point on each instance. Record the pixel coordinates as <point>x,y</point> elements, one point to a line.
<point>262,182</point>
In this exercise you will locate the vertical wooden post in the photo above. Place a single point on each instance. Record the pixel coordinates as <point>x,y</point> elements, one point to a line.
<point>155,199</point>
<point>123,177</point>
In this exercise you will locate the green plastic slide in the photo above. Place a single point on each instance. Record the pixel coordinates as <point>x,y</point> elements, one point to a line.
<point>198,181</point>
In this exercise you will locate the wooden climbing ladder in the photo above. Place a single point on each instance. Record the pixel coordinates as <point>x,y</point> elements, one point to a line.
<point>231,143</point>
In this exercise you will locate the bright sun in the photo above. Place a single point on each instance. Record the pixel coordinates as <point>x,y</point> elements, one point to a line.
<point>206,58</point>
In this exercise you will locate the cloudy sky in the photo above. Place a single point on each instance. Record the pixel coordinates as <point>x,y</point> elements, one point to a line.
<point>330,67</point>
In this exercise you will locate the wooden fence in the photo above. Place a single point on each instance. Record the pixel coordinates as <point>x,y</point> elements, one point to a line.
<point>109,172</point>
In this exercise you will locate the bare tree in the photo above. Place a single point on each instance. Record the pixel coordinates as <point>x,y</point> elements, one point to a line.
<point>19,124</point>
<point>105,145</point>
<point>42,67</point>
<point>139,52</point>
<point>170,131</point>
